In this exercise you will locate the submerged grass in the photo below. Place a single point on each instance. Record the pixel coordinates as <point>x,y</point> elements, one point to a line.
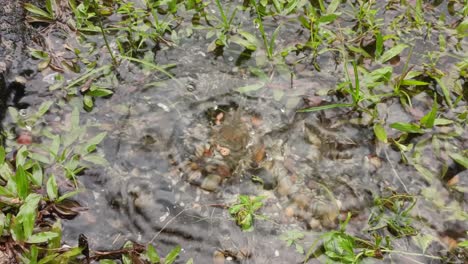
<point>352,32</point>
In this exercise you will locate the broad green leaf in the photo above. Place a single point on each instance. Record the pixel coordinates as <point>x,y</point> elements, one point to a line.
<point>2,155</point>
<point>22,184</point>
<point>380,133</point>
<point>96,140</point>
<point>427,174</point>
<point>75,119</point>
<point>99,92</point>
<point>460,159</point>
<point>106,261</point>
<point>2,222</point>
<point>333,6</point>
<point>48,259</point>
<point>250,88</point>
<point>39,54</point>
<point>463,244</point>
<point>152,254</point>
<point>21,156</point>
<point>327,18</point>
<point>72,136</point>
<point>423,241</point>
<point>37,11</point>
<point>70,254</point>
<point>54,146</point>
<point>407,127</point>
<point>6,192</point>
<point>33,252</point>
<point>235,208</point>
<point>323,107</point>
<point>244,43</point>
<point>41,237</point>
<point>52,189</point>
<point>27,213</point>
<point>429,119</point>
<point>88,101</point>
<point>462,28</point>
<point>409,82</point>
<point>445,91</point>
<point>96,159</point>
<point>442,122</point>
<point>358,50</point>
<point>172,256</point>
<point>49,6</point>
<point>43,108</point>
<point>68,195</point>
<point>248,36</point>
<point>39,157</point>
<point>14,115</point>
<point>394,51</point>
<point>378,44</point>
<point>37,174</point>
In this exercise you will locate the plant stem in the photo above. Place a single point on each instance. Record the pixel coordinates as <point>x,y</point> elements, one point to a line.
<point>98,14</point>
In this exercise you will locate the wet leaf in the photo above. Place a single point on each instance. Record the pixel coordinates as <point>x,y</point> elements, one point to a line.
<point>323,107</point>
<point>380,133</point>
<point>52,189</point>
<point>2,155</point>
<point>152,254</point>
<point>423,241</point>
<point>426,173</point>
<point>333,6</point>
<point>172,256</point>
<point>327,18</point>
<point>442,122</point>
<point>27,213</point>
<point>37,174</point>
<point>460,159</point>
<point>106,261</point>
<point>54,146</point>
<point>68,195</point>
<point>394,51</point>
<point>95,140</point>
<point>409,82</point>
<point>41,237</point>
<point>339,246</point>
<point>43,64</point>
<point>38,12</point>
<point>407,127</point>
<point>278,94</point>
<point>96,159</point>
<point>428,120</point>
<point>378,44</point>
<point>22,184</point>
<point>99,92</point>
<point>463,244</point>
<point>88,102</point>
<point>250,88</point>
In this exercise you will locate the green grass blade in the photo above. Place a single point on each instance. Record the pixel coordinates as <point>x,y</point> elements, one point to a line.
<point>323,107</point>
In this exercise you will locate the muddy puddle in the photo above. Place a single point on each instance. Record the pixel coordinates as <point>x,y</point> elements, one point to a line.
<point>181,150</point>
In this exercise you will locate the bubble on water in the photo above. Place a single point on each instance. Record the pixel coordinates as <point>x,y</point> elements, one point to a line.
<point>230,58</point>
<point>22,112</point>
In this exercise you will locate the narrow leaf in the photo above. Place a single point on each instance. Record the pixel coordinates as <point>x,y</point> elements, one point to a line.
<point>394,51</point>
<point>380,133</point>
<point>406,127</point>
